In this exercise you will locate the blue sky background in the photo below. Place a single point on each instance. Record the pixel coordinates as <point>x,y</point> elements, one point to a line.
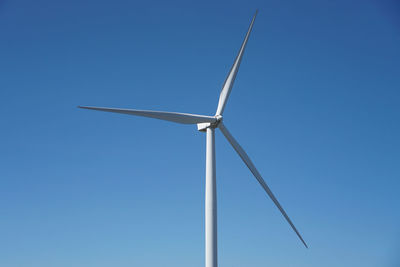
<point>315,104</point>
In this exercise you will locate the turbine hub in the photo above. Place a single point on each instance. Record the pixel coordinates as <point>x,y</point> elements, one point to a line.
<point>202,127</point>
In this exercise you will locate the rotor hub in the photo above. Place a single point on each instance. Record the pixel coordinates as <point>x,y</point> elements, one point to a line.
<point>202,127</point>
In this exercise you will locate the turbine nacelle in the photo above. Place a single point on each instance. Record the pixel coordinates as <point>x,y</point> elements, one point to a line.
<point>202,127</point>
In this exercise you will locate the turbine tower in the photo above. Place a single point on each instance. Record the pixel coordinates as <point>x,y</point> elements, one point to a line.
<point>208,124</point>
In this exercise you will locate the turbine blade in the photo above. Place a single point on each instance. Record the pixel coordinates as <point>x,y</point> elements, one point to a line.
<point>161,115</point>
<point>226,89</point>
<point>243,155</point>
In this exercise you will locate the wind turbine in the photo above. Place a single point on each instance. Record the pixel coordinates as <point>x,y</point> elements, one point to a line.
<point>208,124</point>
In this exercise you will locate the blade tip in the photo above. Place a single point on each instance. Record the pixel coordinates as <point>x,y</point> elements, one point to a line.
<point>85,107</point>
<point>255,14</point>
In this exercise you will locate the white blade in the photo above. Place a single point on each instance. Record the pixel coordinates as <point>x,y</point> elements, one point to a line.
<point>256,174</point>
<point>226,89</point>
<point>161,115</point>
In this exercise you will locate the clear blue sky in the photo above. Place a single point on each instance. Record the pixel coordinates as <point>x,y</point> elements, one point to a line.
<point>316,105</point>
